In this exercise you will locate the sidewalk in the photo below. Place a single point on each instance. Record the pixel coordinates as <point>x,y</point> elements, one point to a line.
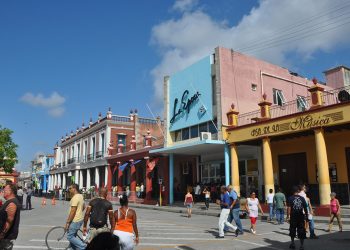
<point>214,210</point>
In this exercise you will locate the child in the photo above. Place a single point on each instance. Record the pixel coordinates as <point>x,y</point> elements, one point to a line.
<point>334,212</point>
<point>253,207</point>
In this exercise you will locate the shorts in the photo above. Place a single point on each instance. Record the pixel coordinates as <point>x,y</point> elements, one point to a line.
<point>126,240</point>
<point>297,225</point>
<point>189,205</point>
<point>253,220</point>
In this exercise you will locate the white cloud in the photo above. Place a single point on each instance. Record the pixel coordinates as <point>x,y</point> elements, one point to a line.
<point>184,5</point>
<point>271,28</point>
<point>53,103</point>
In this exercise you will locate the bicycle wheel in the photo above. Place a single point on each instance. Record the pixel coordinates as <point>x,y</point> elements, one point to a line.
<point>55,239</point>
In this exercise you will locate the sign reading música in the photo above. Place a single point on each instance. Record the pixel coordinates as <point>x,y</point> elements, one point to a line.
<point>190,96</point>
<point>299,123</point>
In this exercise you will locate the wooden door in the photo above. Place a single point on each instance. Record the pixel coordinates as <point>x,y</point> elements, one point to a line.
<point>292,171</point>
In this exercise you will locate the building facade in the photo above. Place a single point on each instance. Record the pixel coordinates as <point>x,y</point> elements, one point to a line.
<point>89,156</point>
<point>40,172</point>
<point>196,102</point>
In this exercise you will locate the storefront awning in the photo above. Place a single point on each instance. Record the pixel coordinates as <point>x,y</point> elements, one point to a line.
<point>197,147</point>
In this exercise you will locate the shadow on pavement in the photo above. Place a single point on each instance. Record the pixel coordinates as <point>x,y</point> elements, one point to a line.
<point>335,240</point>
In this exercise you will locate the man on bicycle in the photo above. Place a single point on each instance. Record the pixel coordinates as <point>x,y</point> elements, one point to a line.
<point>75,218</point>
<point>98,210</point>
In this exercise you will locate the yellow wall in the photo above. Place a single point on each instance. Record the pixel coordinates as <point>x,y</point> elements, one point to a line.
<point>336,143</point>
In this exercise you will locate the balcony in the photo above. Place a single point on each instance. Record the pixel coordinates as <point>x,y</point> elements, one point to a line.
<point>71,160</point>
<point>90,157</point>
<point>297,106</point>
<point>100,154</point>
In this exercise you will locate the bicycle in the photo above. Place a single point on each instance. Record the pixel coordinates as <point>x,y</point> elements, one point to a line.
<point>55,238</point>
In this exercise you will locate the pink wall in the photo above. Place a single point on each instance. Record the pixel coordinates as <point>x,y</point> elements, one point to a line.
<point>335,77</point>
<point>238,72</point>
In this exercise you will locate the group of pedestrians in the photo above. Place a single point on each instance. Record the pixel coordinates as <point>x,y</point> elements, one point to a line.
<point>121,233</point>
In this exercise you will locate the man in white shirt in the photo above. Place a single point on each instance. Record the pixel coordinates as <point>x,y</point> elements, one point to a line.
<point>197,192</point>
<point>20,194</point>
<point>269,201</point>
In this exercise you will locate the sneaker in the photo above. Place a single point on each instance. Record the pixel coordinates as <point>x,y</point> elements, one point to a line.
<point>254,232</point>
<point>292,246</point>
<point>219,237</point>
<point>237,232</point>
<point>251,230</point>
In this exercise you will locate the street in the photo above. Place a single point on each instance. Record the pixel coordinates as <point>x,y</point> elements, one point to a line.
<point>164,230</point>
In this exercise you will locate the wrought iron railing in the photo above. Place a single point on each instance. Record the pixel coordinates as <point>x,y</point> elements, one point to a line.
<point>147,121</point>
<point>119,118</point>
<point>90,157</point>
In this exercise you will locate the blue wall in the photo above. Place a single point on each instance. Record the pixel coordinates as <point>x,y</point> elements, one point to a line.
<point>194,83</point>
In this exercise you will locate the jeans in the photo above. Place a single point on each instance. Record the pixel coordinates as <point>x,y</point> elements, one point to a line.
<point>312,227</point>
<point>225,212</point>
<point>75,242</point>
<point>280,215</point>
<point>235,216</point>
<point>207,200</point>
<point>29,202</point>
<point>271,211</point>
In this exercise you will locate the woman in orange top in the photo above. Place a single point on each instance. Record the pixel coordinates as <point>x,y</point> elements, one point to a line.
<point>125,225</point>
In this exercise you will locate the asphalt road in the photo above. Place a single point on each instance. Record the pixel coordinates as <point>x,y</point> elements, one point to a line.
<point>164,230</point>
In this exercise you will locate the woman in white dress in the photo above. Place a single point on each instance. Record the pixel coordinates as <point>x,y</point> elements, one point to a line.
<point>253,207</point>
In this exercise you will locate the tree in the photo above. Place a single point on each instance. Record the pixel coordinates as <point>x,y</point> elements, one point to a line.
<point>8,150</point>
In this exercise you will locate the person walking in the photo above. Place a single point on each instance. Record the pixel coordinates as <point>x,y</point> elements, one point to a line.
<point>97,211</point>
<point>206,193</point>
<point>279,201</point>
<point>197,192</point>
<point>311,219</point>
<point>126,225</point>
<point>138,191</point>
<point>225,203</point>
<point>29,194</point>
<point>142,190</point>
<point>235,208</point>
<point>75,218</point>
<point>334,212</point>
<point>269,201</point>
<point>189,202</point>
<point>296,214</point>
<point>9,217</point>
<point>20,194</point>
<point>253,207</point>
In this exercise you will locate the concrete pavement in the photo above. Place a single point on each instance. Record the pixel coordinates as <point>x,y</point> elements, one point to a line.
<point>164,230</point>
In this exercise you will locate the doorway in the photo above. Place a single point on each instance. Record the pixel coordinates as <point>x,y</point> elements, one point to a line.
<point>292,171</point>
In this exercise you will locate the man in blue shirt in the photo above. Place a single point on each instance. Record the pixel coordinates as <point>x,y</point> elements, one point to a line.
<point>235,208</point>
<point>225,204</point>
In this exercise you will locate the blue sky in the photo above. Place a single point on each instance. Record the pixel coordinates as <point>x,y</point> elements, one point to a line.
<point>64,61</point>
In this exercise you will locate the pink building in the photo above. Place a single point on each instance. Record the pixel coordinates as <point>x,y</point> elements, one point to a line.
<point>195,105</point>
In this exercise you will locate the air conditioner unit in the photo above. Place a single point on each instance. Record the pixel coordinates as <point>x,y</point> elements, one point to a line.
<point>205,136</point>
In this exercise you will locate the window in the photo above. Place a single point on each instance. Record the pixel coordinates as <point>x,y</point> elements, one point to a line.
<point>278,97</point>
<point>212,128</point>
<point>203,127</point>
<point>213,86</point>
<point>185,133</point>
<point>102,144</point>
<point>78,152</point>
<point>302,103</point>
<point>122,139</point>
<point>194,131</point>
<point>254,87</point>
<point>178,135</point>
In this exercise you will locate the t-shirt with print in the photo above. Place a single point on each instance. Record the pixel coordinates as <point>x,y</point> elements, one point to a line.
<point>77,201</point>
<point>298,206</point>
<point>279,200</point>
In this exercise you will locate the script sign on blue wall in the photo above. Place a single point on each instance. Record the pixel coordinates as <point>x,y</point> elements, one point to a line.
<point>190,96</point>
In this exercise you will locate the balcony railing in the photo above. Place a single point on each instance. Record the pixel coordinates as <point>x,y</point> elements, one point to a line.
<point>100,154</point>
<point>119,118</point>
<point>63,164</point>
<point>90,157</point>
<point>147,121</point>
<point>293,107</point>
<point>71,160</point>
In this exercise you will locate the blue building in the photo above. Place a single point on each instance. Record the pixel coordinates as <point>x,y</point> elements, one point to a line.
<point>40,171</point>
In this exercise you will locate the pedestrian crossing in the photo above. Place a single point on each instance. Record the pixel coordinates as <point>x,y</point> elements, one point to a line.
<point>153,235</point>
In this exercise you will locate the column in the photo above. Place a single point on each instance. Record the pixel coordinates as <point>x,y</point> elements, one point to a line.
<point>148,181</point>
<point>59,181</point>
<point>109,176</point>
<point>76,176</point>
<point>235,169</point>
<point>171,178</point>
<point>81,183</point>
<point>56,181</point>
<point>227,165</point>
<point>324,186</point>
<point>106,176</point>
<point>97,177</point>
<point>132,182</point>
<point>88,179</point>
<point>120,180</point>
<point>64,181</point>
<point>267,164</point>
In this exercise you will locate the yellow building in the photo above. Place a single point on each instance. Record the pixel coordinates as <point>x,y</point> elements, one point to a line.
<point>307,143</point>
